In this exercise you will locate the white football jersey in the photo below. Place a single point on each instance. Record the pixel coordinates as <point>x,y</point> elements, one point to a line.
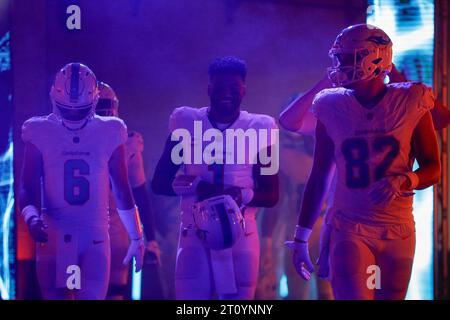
<point>371,144</point>
<point>237,174</point>
<point>75,163</point>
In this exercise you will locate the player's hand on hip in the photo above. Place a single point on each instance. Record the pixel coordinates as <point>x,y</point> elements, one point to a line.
<point>385,190</point>
<point>37,227</point>
<point>300,258</point>
<point>152,253</point>
<point>136,251</point>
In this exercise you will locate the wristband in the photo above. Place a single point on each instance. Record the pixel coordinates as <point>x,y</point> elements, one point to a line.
<point>131,222</point>
<point>302,234</point>
<point>30,212</point>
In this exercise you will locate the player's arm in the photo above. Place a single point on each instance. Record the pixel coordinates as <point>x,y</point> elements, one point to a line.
<point>140,194</point>
<point>30,182</point>
<point>126,207</point>
<point>30,192</point>
<point>296,117</point>
<point>165,178</point>
<point>426,151</point>
<point>165,171</point>
<point>441,116</point>
<point>141,197</point>
<point>313,197</point>
<point>138,182</point>
<point>266,191</point>
<point>319,179</point>
<point>118,171</point>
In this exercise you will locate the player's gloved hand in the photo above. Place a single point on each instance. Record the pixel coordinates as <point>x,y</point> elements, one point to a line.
<point>132,223</point>
<point>37,227</point>
<point>136,251</point>
<point>388,188</point>
<point>300,253</point>
<point>152,253</point>
<point>323,261</point>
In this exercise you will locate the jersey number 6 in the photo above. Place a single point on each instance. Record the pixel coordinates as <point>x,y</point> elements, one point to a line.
<point>76,186</point>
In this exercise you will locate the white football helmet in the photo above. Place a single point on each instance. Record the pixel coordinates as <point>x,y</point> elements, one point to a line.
<point>360,52</point>
<point>108,103</point>
<point>74,94</point>
<point>218,221</point>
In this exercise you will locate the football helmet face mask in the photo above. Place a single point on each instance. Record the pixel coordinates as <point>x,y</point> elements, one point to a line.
<point>74,94</point>
<point>218,222</point>
<point>360,52</point>
<point>108,103</point>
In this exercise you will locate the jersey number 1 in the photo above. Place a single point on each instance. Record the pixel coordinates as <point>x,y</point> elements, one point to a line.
<point>76,186</point>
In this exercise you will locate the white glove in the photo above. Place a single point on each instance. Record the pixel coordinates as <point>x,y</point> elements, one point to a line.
<point>152,248</point>
<point>387,189</point>
<point>136,250</point>
<point>132,223</point>
<point>300,253</point>
<point>324,252</point>
<point>300,258</point>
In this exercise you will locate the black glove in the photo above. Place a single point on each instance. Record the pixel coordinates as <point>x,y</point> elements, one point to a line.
<point>37,227</point>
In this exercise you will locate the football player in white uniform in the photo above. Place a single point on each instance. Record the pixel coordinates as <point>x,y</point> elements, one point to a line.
<point>74,153</point>
<point>108,106</point>
<point>372,133</point>
<point>229,273</point>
